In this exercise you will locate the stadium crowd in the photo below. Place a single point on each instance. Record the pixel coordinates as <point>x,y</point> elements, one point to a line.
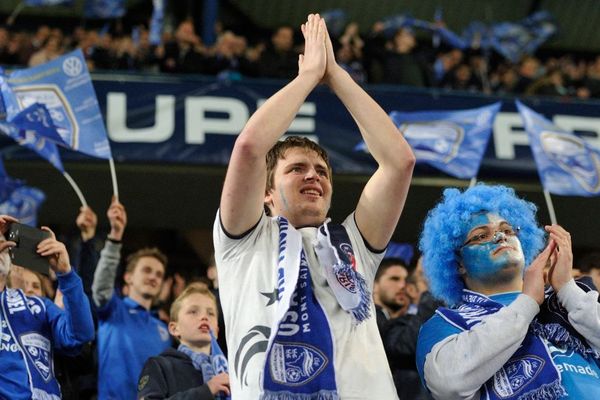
<point>157,328</point>
<point>376,57</point>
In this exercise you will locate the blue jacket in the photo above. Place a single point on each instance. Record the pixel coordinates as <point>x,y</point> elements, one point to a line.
<point>66,330</point>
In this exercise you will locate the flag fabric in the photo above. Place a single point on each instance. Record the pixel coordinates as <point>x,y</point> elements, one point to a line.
<point>335,20</point>
<point>156,22</point>
<point>23,204</point>
<point>452,141</point>
<point>58,102</point>
<point>43,3</point>
<point>19,200</point>
<point>566,163</point>
<point>101,9</point>
<point>403,251</point>
<point>31,140</point>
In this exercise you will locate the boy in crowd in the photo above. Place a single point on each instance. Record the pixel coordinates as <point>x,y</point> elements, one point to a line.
<point>198,368</point>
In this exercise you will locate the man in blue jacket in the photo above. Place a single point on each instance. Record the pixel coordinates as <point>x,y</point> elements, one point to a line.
<point>31,328</point>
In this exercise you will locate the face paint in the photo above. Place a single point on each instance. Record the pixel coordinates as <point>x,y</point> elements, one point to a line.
<point>485,259</point>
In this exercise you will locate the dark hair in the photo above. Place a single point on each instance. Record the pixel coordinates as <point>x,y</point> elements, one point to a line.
<point>589,262</point>
<point>386,264</point>
<point>278,151</point>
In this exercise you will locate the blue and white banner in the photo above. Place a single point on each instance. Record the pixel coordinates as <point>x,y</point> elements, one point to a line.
<point>70,115</point>
<point>567,164</point>
<point>452,141</point>
<point>102,9</point>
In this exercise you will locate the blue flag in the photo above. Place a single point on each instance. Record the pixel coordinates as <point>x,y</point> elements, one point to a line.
<point>31,140</point>
<point>566,163</point>
<point>156,22</point>
<point>452,141</point>
<point>403,251</point>
<point>42,3</point>
<point>58,102</point>
<point>102,9</point>
<point>18,200</point>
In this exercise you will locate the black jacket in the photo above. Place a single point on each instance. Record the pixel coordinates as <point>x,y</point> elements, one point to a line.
<point>172,375</point>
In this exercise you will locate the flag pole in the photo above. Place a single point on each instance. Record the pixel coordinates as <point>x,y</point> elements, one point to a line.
<point>75,188</point>
<point>472,182</point>
<point>113,176</point>
<point>550,207</point>
<point>11,19</point>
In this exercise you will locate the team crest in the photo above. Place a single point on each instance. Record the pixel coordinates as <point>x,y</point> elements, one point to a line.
<point>434,140</point>
<point>295,364</point>
<point>573,156</point>
<point>58,106</point>
<point>345,277</point>
<point>38,350</point>
<point>516,374</point>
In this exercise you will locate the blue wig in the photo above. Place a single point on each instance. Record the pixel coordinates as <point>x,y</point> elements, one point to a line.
<point>446,227</point>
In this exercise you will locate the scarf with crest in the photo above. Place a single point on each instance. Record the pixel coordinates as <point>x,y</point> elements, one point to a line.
<point>300,352</point>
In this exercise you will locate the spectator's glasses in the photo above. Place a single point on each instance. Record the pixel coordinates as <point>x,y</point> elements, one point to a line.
<point>487,235</point>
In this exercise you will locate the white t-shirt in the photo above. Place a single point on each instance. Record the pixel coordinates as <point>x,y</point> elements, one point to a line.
<point>247,269</point>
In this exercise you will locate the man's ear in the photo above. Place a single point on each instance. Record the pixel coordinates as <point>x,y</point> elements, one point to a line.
<point>462,271</point>
<point>127,278</point>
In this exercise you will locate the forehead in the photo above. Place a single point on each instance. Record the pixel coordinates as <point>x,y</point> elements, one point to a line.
<point>30,276</point>
<point>295,155</point>
<point>396,271</point>
<point>481,219</point>
<point>151,262</point>
<point>198,299</point>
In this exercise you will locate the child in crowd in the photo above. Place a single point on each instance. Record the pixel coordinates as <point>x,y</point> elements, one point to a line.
<point>197,369</point>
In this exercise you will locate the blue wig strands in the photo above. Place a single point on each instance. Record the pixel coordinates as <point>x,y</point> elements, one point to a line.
<point>446,226</point>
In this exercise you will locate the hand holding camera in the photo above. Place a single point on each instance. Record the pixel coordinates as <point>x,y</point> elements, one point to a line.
<point>55,252</point>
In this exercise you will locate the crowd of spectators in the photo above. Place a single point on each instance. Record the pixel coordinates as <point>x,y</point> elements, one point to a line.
<point>373,58</point>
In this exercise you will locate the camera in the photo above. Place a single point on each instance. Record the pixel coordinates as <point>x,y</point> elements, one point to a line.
<point>24,254</point>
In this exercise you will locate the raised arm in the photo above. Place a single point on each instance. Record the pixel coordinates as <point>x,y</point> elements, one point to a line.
<point>383,197</point>
<point>244,188</point>
<point>106,271</point>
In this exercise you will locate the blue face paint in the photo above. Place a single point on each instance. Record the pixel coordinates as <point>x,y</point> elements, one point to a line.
<point>479,259</point>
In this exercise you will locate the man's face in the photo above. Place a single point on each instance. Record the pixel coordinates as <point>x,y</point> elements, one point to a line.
<point>283,39</point>
<point>196,318</point>
<point>390,288</point>
<point>32,283</point>
<point>146,278</point>
<point>301,189</point>
<point>491,250</point>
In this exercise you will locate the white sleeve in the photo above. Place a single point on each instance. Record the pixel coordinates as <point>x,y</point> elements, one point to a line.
<point>458,366</point>
<point>584,311</point>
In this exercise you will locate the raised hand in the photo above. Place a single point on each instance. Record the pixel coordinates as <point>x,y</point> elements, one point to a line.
<point>55,252</point>
<point>87,221</point>
<point>562,258</point>
<point>533,280</point>
<point>117,216</point>
<point>314,60</point>
<point>219,383</point>
<point>5,221</point>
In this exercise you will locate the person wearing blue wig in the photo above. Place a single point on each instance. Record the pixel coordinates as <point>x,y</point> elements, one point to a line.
<point>517,325</point>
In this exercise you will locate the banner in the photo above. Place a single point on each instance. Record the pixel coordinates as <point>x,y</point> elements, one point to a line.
<point>43,3</point>
<point>567,165</point>
<point>19,200</point>
<point>58,102</point>
<point>451,141</point>
<point>102,9</point>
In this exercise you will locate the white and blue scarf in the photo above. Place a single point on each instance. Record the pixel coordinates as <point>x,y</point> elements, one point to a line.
<point>209,365</point>
<point>300,353</point>
<point>26,322</point>
<point>529,374</point>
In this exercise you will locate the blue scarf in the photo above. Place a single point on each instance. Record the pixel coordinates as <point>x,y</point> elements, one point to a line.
<point>552,323</point>
<point>209,365</point>
<point>299,359</point>
<point>27,324</point>
<point>529,374</point>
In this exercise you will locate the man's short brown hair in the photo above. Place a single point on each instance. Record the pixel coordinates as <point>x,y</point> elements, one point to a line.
<point>154,252</point>
<point>191,289</point>
<point>277,152</point>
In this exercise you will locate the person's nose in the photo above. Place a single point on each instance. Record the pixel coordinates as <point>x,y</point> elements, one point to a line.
<point>312,175</point>
<point>499,236</point>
